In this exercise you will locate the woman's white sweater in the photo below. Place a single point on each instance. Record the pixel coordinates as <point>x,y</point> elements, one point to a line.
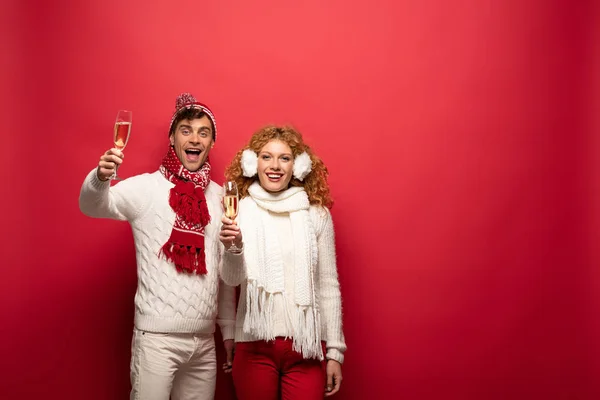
<point>325,277</point>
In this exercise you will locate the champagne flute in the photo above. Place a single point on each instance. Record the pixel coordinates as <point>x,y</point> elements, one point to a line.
<point>121,135</point>
<point>230,204</point>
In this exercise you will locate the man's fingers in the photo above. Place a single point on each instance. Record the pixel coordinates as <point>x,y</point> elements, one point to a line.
<point>111,158</point>
<point>227,368</point>
<point>106,165</point>
<point>115,152</point>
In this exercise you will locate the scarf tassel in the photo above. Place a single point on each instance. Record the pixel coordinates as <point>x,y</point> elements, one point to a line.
<point>192,210</point>
<point>186,258</point>
<point>185,246</point>
<point>307,338</point>
<point>259,312</point>
<point>259,322</point>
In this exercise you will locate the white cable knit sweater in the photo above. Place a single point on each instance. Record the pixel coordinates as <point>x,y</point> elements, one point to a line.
<point>165,300</point>
<point>284,311</point>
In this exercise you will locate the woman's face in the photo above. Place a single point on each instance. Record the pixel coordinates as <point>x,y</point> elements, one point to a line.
<point>275,166</point>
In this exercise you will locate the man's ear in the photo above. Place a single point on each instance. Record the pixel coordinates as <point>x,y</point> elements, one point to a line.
<point>172,139</point>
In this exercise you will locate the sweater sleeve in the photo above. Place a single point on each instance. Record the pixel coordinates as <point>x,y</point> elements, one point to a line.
<point>226,312</point>
<point>329,287</point>
<point>123,201</point>
<point>232,268</point>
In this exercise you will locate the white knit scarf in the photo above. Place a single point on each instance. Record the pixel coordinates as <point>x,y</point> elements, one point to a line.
<point>264,266</point>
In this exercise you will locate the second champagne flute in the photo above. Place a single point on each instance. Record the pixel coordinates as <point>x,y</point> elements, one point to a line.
<point>230,206</point>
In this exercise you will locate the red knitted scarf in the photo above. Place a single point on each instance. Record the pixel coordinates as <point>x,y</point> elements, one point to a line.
<point>185,247</point>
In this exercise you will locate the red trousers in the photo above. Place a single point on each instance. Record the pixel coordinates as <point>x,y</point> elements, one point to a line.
<point>273,370</point>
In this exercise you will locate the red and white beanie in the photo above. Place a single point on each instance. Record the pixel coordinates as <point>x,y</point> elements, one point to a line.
<point>187,101</point>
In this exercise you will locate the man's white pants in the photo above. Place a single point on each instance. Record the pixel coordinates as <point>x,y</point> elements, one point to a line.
<point>179,366</point>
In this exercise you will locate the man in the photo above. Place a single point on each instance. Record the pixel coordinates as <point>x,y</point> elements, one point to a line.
<point>175,216</point>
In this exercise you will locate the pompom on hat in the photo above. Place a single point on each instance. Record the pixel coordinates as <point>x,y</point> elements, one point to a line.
<point>186,101</point>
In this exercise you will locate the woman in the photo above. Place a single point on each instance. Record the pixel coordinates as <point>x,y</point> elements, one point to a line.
<point>289,338</point>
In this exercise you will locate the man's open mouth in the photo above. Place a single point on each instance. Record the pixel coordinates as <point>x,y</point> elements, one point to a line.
<point>192,155</point>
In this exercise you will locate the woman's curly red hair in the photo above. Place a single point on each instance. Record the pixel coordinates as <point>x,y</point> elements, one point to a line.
<point>315,183</point>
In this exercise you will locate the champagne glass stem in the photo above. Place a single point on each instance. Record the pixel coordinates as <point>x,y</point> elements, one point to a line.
<point>115,176</point>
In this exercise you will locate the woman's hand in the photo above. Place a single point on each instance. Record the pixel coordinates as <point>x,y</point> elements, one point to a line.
<point>334,377</point>
<point>230,233</point>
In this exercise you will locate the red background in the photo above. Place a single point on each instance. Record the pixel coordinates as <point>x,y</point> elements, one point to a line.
<point>462,141</point>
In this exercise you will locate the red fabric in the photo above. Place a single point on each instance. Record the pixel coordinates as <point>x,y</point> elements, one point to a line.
<point>187,100</point>
<point>273,370</point>
<point>185,247</point>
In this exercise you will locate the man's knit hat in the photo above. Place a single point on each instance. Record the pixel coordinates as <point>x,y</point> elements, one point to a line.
<point>186,101</point>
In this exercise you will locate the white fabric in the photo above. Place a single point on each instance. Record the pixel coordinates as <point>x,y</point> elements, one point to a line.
<point>176,366</point>
<point>302,166</point>
<point>165,300</point>
<point>265,270</point>
<point>326,288</point>
<point>249,163</point>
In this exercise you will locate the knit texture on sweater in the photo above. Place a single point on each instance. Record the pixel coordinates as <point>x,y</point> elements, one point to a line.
<point>288,273</point>
<point>166,300</point>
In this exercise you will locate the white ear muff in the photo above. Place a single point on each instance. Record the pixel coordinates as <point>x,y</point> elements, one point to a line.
<point>302,166</point>
<point>249,163</point>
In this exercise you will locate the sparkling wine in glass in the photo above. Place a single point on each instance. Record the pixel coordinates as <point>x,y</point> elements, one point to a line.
<point>231,201</point>
<point>121,135</point>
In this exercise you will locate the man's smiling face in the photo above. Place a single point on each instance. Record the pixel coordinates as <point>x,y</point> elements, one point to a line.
<point>192,141</point>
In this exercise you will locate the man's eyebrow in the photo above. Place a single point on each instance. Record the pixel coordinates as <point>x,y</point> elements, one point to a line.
<point>203,128</point>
